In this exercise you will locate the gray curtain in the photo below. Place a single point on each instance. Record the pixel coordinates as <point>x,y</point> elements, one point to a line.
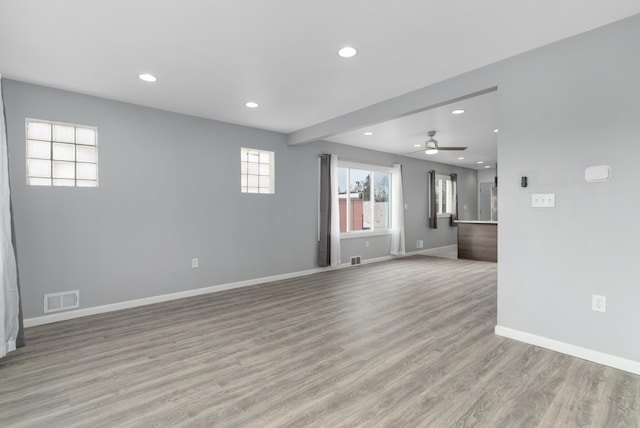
<point>454,212</point>
<point>324,243</point>
<point>433,219</point>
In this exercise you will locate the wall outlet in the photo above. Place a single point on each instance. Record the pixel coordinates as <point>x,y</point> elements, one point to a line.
<point>599,303</point>
<point>419,243</point>
<point>366,243</point>
<point>194,263</point>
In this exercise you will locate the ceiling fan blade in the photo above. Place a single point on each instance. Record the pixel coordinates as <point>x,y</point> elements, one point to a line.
<point>452,148</point>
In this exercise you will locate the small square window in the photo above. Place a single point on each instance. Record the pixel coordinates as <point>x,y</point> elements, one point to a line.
<point>256,171</point>
<point>61,154</point>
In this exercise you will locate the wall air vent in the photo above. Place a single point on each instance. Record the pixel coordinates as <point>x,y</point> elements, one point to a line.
<point>355,260</point>
<point>55,302</point>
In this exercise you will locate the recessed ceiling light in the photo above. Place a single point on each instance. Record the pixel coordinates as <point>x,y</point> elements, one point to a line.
<point>480,162</point>
<point>147,77</point>
<point>458,111</point>
<point>495,130</point>
<point>251,104</point>
<point>460,158</point>
<point>487,166</point>
<point>417,145</point>
<point>347,52</point>
<point>368,133</point>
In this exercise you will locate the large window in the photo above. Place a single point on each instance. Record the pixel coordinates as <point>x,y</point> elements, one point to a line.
<point>364,198</point>
<point>444,195</point>
<point>61,154</point>
<point>256,171</point>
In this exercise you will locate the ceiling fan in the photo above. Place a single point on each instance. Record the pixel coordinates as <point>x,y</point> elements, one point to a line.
<point>431,145</point>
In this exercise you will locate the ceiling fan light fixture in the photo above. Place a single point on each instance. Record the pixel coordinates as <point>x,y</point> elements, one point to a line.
<point>431,147</point>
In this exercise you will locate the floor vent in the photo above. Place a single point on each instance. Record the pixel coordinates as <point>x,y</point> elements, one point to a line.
<point>355,260</point>
<point>61,301</point>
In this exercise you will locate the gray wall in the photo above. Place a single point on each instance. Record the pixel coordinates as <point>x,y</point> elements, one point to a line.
<point>563,108</point>
<point>486,175</point>
<point>168,192</point>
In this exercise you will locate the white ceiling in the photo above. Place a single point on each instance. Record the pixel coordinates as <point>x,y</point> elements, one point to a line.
<point>473,129</point>
<point>211,57</point>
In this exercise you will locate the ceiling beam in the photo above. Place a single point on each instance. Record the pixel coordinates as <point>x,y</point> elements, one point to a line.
<point>471,84</point>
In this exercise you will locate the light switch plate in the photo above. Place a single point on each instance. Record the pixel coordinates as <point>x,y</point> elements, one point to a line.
<point>543,200</point>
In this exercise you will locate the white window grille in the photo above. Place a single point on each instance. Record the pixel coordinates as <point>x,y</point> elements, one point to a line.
<point>256,171</point>
<point>61,154</point>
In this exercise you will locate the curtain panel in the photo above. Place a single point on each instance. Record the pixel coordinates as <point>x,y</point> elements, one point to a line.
<point>433,209</point>
<point>454,210</point>
<point>9,296</point>
<point>329,215</point>
<point>397,212</point>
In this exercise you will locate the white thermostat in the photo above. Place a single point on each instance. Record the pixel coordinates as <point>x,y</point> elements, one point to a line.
<point>597,173</point>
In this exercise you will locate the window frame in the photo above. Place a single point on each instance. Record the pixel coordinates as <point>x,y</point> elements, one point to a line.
<point>244,189</point>
<point>53,141</point>
<point>371,168</point>
<point>448,197</point>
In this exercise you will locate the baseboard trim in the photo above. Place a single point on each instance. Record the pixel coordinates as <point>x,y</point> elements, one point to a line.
<point>433,251</point>
<point>95,310</point>
<point>573,350</point>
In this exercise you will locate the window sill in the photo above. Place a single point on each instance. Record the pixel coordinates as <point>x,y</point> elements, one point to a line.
<point>364,234</point>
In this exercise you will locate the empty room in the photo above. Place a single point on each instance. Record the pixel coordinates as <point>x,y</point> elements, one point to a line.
<point>319,214</point>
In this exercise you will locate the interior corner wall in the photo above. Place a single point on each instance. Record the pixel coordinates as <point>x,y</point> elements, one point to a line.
<point>486,175</point>
<point>562,108</point>
<point>169,191</point>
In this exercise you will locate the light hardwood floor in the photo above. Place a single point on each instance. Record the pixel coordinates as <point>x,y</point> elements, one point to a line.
<point>408,342</point>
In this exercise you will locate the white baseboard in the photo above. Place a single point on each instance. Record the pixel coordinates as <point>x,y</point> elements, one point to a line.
<point>573,350</point>
<point>437,251</point>
<point>94,310</point>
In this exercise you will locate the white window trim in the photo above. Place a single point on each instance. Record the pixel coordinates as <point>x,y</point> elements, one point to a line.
<point>372,167</point>
<point>447,177</point>
<point>364,233</point>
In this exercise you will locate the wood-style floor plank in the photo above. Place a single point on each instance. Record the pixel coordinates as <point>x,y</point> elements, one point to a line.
<point>408,342</point>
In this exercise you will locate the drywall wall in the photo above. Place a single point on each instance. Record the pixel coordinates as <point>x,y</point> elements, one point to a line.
<point>170,191</point>
<point>563,108</point>
<point>486,175</point>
